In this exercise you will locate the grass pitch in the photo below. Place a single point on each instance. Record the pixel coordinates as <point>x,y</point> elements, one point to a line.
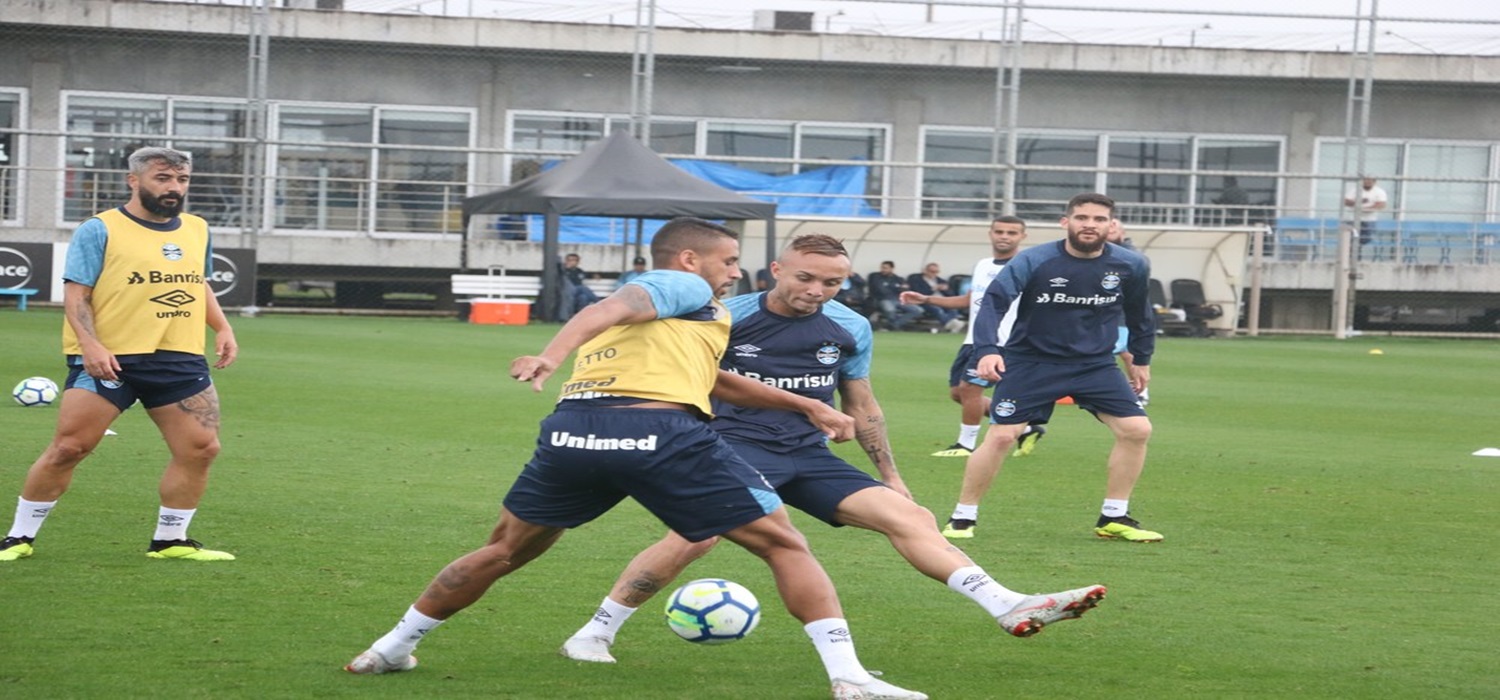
<point>1327,534</point>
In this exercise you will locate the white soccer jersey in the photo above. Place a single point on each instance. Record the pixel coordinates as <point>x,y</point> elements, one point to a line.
<point>984,272</point>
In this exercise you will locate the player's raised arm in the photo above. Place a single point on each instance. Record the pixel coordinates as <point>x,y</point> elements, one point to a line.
<point>629,304</point>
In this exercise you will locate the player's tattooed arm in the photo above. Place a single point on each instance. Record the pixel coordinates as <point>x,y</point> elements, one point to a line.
<point>78,309</point>
<point>857,399</point>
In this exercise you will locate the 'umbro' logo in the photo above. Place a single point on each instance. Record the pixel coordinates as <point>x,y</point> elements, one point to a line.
<point>1059,281</point>
<point>175,298</point>
<point>747,350</point>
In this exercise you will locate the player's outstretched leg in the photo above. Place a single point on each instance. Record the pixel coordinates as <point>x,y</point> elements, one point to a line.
<point>1035,612</point>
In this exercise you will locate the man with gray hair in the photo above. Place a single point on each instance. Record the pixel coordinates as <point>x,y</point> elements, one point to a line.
<point>136,298</point>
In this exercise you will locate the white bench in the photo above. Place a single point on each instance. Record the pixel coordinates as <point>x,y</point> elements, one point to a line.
<point>503,286</point>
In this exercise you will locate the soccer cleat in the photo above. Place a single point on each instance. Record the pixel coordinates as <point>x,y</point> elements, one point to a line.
<point>191,550</point>
<point>1125,528</point>
<point>13,548</point>
<point>1028,440</point>
<point>1037,611</point>
<point>959,529</point>
<point>955,450</point>
<point>371,662</point>
<point>593,649</point>
<point>873,689</point>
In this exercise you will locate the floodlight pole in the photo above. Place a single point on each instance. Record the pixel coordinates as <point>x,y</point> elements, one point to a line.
<point>1007,109</point>
<point>643,71</point>
<point>1356,134</point>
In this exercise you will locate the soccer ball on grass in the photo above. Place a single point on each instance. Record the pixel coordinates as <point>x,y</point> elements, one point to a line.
<point>712,611</point>
<point>35,391</point>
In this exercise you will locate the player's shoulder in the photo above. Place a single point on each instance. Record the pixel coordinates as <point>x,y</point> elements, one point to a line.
<point>742,306</point>
<point>852,321</point>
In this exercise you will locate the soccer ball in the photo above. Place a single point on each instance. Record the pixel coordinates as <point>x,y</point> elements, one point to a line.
<point>35,391</point>
<point>712,611</point>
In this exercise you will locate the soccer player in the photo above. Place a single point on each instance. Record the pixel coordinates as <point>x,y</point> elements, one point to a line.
<point>633,421</point>
<point>1061,305</point>
<point>136,299</point>
<point>796,336</point>
<point>965,386</point>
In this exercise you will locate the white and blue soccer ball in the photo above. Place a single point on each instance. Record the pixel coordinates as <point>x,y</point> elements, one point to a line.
<point>712,611</point>
<point>35,391</point>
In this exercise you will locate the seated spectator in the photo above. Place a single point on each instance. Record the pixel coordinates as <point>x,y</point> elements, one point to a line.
<point>637,268</point>
<point>884,289</point>
<point>852,294</point>
<point>931,283</point>
<point>576,293</point>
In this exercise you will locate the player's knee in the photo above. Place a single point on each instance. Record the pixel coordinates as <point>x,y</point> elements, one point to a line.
<point>1135,430</point>
<point>67,452</point>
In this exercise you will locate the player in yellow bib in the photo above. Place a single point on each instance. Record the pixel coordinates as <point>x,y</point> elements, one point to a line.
<point>136,299</point>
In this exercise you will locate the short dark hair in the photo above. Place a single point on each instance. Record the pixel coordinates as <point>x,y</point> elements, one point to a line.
<point>1008,219</point>
<point>1091,198</point>
<point>686,233</point>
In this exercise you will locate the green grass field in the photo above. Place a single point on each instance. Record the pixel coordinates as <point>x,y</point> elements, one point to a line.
<point>1328,534</point>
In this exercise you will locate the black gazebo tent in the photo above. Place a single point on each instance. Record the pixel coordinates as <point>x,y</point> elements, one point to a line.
<point>617,177</point>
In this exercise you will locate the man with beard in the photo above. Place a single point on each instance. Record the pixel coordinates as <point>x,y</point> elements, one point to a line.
<point>136,298</point>
<point>1062,304</point>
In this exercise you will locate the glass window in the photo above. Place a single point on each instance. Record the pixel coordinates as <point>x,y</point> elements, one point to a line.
<point>845,143</point>
<point>1043,194</point>
<point>420,188</point>
<point>104,132</point>
<point>1381,160</point>
<point>1149,196</point>
<point>1237,200</point>
<point>320,184</point>
<point>219,189</point>
<point>961,193</point>
<point>754,140</point>
<point>671,138</point>
<point>10,153</point>
<point>569,133</point>
<point>1445,201</point>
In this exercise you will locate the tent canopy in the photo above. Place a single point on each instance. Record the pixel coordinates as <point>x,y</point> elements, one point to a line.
<point>617,176</point>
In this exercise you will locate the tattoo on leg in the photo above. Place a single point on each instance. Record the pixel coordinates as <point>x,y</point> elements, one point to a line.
<point>204,406</point>
<point>641,588</point>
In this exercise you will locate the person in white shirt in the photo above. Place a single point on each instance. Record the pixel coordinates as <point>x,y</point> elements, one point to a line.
<point>1371,200</point>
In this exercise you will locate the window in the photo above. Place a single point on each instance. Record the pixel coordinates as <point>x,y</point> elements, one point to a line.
<point>1445,201</point>
<point>104,131</point>
<point>422,186</point>
<point>962,193</point>
<point>219,189</point>
<point>1381,159</point>
<point>1041,193</point>
<point>755,140</point>
<point>1149,196</point>
<point>1237,200</point>
<point>10,154</point>
<point>321,184</point>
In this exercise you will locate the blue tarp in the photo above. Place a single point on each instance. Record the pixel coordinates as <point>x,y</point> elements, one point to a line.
<point>835,190</point>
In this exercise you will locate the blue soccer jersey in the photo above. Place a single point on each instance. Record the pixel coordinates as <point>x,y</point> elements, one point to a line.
<point>1062,308</point>
<point>806,355</point>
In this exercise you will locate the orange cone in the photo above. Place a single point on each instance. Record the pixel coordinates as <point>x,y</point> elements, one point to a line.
<point>1065,399</point>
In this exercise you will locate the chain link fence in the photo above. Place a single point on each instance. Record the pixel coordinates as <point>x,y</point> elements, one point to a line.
<point>338,145</point>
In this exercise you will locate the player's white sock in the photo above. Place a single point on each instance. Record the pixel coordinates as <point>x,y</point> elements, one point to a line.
<point>172,523</point>
<point>1115,507</point>
<point>607,620</point>
<point>402,639</point>
<point>29,517</point>
<point>835,645</point>
<point>964,511</point>
<point>968,435</point>
<point>977,586</point>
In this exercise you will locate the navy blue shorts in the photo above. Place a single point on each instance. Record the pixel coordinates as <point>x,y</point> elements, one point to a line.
<point>813,479</point>
<point>1028,390</point>
<point>589,458</point>
<point>154,382</point>
<point>964,368</point>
